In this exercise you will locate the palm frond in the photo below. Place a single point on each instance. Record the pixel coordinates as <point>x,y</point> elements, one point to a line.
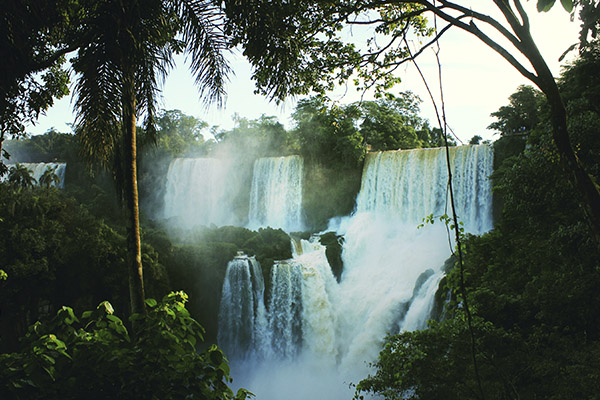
<point>97,103</point>
<point>206,43</point>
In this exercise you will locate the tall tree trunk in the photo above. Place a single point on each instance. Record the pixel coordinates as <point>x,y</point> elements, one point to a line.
<point>130,192</point>
<point>579,178</point>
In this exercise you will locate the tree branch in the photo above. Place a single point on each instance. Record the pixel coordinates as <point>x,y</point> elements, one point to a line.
<point>474,30</point>
<point>47,63</point>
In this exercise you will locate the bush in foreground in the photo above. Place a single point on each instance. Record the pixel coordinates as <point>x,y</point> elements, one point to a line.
<point>95,357</point>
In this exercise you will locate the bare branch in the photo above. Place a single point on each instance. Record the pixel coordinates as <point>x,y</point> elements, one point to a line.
<point>523,14</point>
<point>473,29</point>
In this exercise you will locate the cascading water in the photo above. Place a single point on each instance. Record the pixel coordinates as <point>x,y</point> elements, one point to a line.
<point>242,314</point>
<point>285,308</point>
<point>276,194</point>
<point>197,192</point>
<point>412,184</point>
<point>322,334</point>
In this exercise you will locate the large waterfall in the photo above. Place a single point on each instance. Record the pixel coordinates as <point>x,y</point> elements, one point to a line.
<point>205,191</point>
<point>276,195</point>
<point>317,335</point>
<point>412,184</point>
<point>198,192</point>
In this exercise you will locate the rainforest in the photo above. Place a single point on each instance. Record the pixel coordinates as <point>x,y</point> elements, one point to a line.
<point>362,252</point>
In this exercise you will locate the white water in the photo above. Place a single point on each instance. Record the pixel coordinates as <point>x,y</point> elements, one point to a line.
<point>197,192</point>
<point>276,194</point>
<point>38,169</point>
<point>392,270</point>
<point>412,184</point>
<point>242,314</point>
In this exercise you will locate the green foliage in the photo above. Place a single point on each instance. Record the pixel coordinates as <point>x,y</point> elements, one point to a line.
<point>475,139</point>
<point>177,135</point>
<point>580,86</point>
<point>51,146</point>
<point>56,253</point>
<point>262,137</point>
<point>49,178</point>
<point>298,48</point>
<point>160,361</point>
<point>20,176</point>
<point>546,5</point>
<point>327,134</point>
<point>393,123</point>
<point>521,116</point>
<point>35,35</point>
<point>531,282</point>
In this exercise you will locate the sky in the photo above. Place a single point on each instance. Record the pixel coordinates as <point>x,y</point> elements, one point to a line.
<point>476,82</point>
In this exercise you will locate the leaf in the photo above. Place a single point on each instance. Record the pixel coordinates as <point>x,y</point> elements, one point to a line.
<point>545,5</point>
<point>567,5</point>
<point>151,303</point>
<point>114,319</point>
<point>216,357</point>
<point>106,307</point>
<point>571,48</point>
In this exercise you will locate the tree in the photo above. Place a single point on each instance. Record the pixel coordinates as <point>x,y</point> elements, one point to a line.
<point>475,139</point>
<point>20,176</point>
<point>178,133</point>
<point>532,283</point>
<point>297,47</point>
<point>128,49</point>
<point>49,178</point>
<point>35,36</point>
<point>392,123</point>
<point>521,115</point>
<point>327,133</point>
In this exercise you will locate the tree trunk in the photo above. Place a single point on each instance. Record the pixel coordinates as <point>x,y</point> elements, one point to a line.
<point>579,178</point>
<point>130,192</point>
<point>589,193</point>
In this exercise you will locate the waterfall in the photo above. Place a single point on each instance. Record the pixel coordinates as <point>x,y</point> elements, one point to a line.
<point>242,314</point>
<point>285,309</point>
<point>38,169</point>
<point>198,192</point>
<point>322,333</point>
<point>276,193</point>
<point>412,184</point>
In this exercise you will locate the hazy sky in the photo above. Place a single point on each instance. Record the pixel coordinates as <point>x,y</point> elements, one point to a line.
<point>476,82</point>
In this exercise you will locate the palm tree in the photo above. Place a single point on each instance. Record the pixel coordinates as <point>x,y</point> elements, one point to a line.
<point>128,52</point>
<point>20,176</point>
<point>49,177</point>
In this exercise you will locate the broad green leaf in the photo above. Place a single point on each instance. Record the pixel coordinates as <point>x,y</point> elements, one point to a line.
<point>114,318</point>
<point>567,5</point>
<point>151,303</point>
<point>545,5</point>
<point>216,356</point>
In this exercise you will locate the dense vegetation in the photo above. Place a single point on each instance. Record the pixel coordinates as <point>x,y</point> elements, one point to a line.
<point>531,282</point>
<point>94,356</point>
